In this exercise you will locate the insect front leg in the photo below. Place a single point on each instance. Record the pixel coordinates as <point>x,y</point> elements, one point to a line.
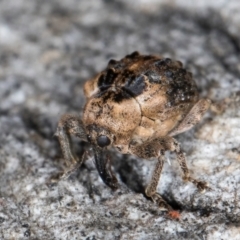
<point>151,189</point>
<point>67,126</point>
<point>153,149</point>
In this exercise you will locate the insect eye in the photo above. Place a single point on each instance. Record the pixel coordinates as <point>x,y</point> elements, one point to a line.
<point>103,141</point>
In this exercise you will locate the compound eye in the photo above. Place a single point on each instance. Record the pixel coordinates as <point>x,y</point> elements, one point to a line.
<point>103,141</point>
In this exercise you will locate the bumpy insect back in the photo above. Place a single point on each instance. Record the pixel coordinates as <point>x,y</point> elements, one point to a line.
<point>107,79</point>
<point>135,85</point>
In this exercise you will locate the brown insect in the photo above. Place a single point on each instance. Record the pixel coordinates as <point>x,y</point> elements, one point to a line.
<point>136,105</point>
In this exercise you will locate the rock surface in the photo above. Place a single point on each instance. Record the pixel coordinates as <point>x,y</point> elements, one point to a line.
<point>47,50</point>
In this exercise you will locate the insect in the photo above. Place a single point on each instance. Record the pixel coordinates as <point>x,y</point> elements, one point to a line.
<point>136,105</point>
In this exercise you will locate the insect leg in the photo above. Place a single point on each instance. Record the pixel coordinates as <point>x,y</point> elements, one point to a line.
<point>193,117</point>
<point>152,186</point>
<point>67,126</point>
<point>182,162</point>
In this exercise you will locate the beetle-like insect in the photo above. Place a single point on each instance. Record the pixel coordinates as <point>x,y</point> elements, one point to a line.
<point>137,105</point>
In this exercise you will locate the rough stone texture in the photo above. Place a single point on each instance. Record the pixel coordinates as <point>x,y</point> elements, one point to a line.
<point>47,50</point>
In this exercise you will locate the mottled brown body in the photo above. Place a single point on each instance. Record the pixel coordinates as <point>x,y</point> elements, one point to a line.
<point>155,94</point>
<point>136,105</point>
